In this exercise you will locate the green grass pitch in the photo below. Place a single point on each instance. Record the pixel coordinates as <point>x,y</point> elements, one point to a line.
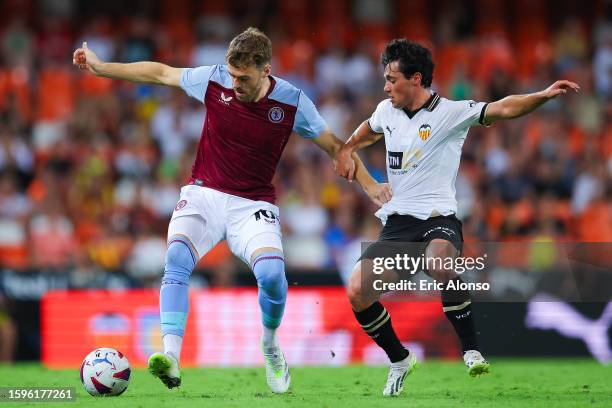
<point>512,383</point>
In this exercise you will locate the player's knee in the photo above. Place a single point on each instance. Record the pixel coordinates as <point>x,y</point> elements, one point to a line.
<point>438,253</point>
<point>355,290</point>
<point>441,274</point>
<point>180,261</point>
<point>270,274</point>
<point>440,271</point>
<point>274,284</point>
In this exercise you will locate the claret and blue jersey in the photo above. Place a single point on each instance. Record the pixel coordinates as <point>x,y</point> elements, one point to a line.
<point>242,142</point>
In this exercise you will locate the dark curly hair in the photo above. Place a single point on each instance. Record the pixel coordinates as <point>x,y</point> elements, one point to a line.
<point>411,57</point>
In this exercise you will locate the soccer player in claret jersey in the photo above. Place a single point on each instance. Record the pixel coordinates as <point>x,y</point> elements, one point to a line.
<point>250,116</point>
<point>423,133</point>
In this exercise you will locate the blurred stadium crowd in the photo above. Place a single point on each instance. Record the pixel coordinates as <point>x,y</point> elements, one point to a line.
<point>90,168</point>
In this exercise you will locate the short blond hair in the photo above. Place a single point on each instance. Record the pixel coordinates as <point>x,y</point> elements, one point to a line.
<point>251,47</point>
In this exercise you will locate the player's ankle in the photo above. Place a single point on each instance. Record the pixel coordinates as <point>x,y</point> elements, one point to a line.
<point>269,339</point>
<point>173,345</point>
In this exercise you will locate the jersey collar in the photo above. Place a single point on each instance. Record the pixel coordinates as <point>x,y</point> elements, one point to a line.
<point>272,85</point>
<point>429,105</point>
<point>268,92</point>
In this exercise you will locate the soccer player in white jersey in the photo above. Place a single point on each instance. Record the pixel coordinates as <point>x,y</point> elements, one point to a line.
<point>250,116</point>
<point>423,134</point>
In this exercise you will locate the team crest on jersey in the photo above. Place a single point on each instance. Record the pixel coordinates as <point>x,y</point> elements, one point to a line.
<point>276,114</point>
<point>424,132</point>
<point>180,205</point>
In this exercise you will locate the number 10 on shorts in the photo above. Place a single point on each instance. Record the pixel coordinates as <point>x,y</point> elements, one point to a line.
<point>267,215</point>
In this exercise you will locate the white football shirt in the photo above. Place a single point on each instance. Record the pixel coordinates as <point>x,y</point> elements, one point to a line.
<point>423,153</point>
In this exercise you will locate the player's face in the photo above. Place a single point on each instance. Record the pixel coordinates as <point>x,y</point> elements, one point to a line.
<point>247,81</point>
<point>401,90</point>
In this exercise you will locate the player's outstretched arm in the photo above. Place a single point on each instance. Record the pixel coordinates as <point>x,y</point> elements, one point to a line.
<point>145,71</point>
<point>378,193</point>
<point>514,106</point>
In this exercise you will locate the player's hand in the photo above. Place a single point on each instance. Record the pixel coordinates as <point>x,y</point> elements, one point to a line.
<point>560,87</point>
<point>84,58</point>
<point>345,164</point>
<point>379,193</point>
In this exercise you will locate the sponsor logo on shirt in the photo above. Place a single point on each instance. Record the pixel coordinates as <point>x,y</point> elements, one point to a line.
<point>403,162</point>
<point>225,99</point>
<point>424,131</point>
<point>395,160</point>
<point>390,131</point>
<point>276,114</point>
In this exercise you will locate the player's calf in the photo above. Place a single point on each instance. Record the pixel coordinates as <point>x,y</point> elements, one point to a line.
<point>269,270</point>
<point>355,295</point>
<point>174,293</point>
<point>360,287</point>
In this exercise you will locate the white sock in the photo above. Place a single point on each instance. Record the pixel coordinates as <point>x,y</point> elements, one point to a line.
<point>173,344</point>
<point>269,339</point>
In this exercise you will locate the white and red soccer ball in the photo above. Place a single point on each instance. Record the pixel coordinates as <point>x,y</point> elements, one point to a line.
<point>105,372</point>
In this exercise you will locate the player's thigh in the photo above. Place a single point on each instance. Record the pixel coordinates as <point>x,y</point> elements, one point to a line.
<point>193,229</point>
<point>254,229</point>
<point>379,260</point>
<point>443,228</point>
<point>443,241</point>
<point>194,221</point>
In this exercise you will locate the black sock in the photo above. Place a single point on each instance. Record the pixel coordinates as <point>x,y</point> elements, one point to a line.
<point>457,306</point>
<point>376,322</point>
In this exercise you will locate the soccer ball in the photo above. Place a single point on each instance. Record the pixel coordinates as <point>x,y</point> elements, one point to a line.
<point>105,372</point>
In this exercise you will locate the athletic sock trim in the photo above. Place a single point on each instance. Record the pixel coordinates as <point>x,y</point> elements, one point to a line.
<point>178,240</point>
<point>458,307</point>
<point>373,329</point>
<point>367,326</point>
<point>262,258</point>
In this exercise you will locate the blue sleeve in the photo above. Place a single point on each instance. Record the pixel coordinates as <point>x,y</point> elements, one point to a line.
<point>194,81</point>
<point>308,122</point>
